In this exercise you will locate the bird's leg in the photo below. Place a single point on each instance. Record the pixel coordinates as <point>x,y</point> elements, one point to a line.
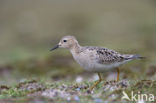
<point>118,73</point>
<point>96,83</point>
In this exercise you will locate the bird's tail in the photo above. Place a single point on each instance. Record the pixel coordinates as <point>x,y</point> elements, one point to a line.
<point>135,56</point>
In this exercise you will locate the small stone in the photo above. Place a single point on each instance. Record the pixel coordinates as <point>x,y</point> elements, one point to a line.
<point>68,98</point>
<point>79,79</point>
<point>76,98</point>
<point>98,100</point>
<point>77,89</point>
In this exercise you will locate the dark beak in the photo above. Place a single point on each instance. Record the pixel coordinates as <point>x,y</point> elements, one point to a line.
<point>55,47</point>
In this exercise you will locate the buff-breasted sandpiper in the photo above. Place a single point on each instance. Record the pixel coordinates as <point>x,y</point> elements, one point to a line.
<point>95,59</point>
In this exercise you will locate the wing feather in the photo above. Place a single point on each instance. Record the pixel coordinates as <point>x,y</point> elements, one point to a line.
<point>104,55</point>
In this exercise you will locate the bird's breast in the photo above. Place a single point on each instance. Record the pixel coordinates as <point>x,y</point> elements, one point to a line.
<point>85,60</point>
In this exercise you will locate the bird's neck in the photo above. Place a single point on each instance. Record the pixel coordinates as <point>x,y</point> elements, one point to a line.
<point>75,49</point>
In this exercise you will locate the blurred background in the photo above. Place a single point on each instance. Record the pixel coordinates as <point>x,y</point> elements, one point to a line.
<point>29,28</point>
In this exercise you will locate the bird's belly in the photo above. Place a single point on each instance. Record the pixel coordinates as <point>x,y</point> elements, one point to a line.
<point>93,66</point>
<point>96,67</point>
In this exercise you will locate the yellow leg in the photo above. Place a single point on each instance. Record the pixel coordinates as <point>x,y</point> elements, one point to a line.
<point>118,73</point>
<point>96,83</point>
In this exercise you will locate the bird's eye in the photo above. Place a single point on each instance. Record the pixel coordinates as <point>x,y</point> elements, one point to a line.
<point>64,40</point>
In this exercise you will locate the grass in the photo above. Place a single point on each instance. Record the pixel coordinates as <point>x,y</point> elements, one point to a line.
<point>76,92</point>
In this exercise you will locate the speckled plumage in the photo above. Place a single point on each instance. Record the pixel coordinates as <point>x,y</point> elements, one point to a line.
<point>107,56</point>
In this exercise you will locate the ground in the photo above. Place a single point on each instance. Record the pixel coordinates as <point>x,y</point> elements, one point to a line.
<point>107,92</point>
<point>65,84</point>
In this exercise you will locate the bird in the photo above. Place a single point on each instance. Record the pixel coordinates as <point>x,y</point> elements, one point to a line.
<point>95,59</point>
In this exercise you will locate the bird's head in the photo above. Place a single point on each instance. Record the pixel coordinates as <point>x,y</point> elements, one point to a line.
<point>66,42</point>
